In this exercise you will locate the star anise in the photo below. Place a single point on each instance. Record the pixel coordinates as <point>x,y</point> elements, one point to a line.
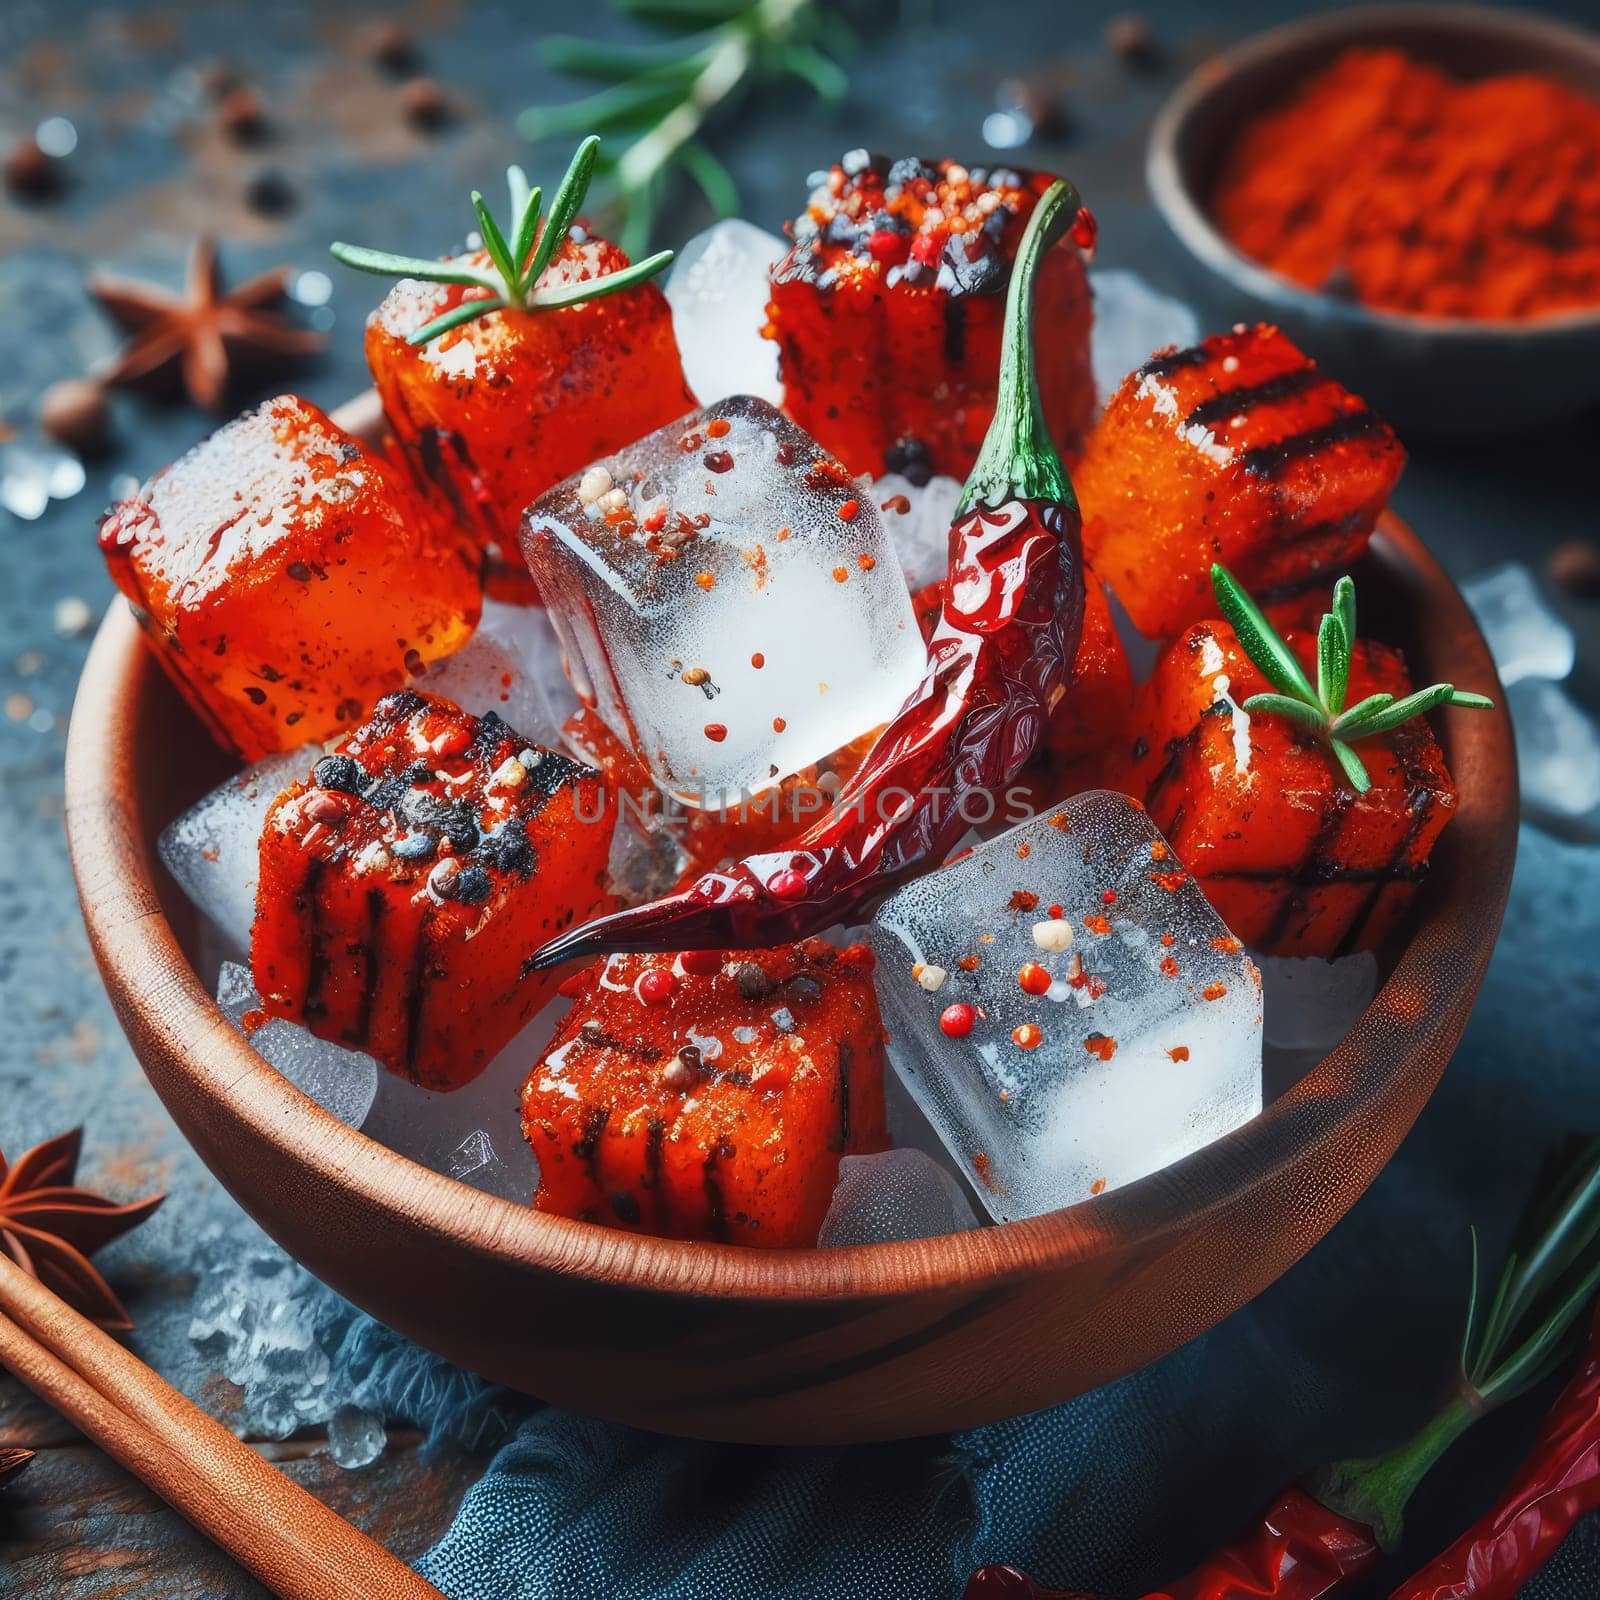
<point>50,1227</point>
<point>199,333</point>
<point>12,1462</point>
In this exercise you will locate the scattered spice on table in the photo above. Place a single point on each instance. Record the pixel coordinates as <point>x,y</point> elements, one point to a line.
<point>49,1226</point>
<point>1415,192</point>
<point>998,660</point>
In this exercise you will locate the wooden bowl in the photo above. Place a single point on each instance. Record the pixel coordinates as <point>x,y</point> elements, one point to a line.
<point>1427,375</point>
<point>786,1346</point>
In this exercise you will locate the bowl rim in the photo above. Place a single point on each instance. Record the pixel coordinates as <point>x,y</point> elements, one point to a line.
<point>1190,220</point>
<point>213,1070</point>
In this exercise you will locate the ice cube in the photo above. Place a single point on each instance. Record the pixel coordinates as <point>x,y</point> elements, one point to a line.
<point>1131,322</point>
<point>730,599</point>
<point>1558,753</point>
<point>343,1082</point>
<point>213,848</point>
<point>474,1133</point>
<point>718,295</point>
<point>511,666</point>
<point>1144,1044</point>
<point>356,1437</point>
<point>1526,638</point>
<point>1311,1004</point>
<point>921,534</point>
<point>898,1194</point>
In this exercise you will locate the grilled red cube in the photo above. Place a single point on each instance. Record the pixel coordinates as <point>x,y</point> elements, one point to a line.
<point>404,884</point>
<point>1240,450</point>
<point>287,577</point>
<point>1292,858</point>
<point>498,410</point>
<point>710,1096</point>
<point>888,311</point>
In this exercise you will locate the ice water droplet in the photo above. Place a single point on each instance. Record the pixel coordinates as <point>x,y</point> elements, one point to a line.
<point>1131,322</point>
<point>1163,1055</point>
<point>718,295</point>
<point>898,1194</point>
<point>1526,638</point>
<point>356,1437</point>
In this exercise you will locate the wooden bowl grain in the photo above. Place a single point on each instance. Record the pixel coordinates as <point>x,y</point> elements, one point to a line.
<point>718,1342</point>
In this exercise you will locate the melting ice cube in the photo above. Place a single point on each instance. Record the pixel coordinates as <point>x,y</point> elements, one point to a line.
<point>213,848</point>
<point>339,1080</point>
<point>898,1194</point>
<point>1117,1023</point>
<point>1526,638</point>
<point>728,596</point>
<point>512,666</point>
<point>1131,322</point>
<point>1558,754</point>
<point>474,1133</point>
<point>921,532</point>
<point>718,295</point>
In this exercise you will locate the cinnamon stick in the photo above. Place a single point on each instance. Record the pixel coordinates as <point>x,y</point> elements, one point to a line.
<point>293,1543</point>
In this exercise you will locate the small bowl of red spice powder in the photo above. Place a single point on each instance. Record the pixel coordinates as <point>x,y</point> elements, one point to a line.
<point>1412,193</point>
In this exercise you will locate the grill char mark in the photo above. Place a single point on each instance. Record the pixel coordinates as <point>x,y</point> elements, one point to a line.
<point>1234,402</point>
<point>1273,460</point>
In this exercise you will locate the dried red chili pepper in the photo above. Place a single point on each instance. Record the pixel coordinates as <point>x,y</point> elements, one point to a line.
<point>1318,1540</point>
<point>997,666</point>
<point>1559,1483</point>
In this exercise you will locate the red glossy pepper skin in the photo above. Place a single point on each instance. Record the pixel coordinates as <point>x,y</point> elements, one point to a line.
<point>998,662</point>
<point>1298,1550</point>
<point>1558,1484</point>
<point>1006,1583</point>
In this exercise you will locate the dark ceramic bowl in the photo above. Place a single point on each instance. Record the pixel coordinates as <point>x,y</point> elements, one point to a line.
<point>1427,375</point>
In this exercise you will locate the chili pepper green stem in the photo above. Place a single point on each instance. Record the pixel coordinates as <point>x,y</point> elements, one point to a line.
<point>1376,1489</point>
<point>1019,459</point>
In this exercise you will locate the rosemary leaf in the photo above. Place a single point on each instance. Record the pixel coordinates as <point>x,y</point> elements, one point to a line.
<point>1333,662</point>
<point>564,207</point>
<point>393,266</point>
<point>1283,705</point>
<point>1351,764</point>
<point>494,241</point>
<point>623,106</point>
<point>612,62</point>
<point>1261,641</point>
<point>1344,607</point>
<point>527,230</point>
<point>716,182</point>
<point>467,311</point>
<point>1349,721</point>
<point>599,288</point>
<point>823,73</point>
<point>682,16</point>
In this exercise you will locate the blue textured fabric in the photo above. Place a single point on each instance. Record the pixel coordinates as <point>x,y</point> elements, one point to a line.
<point>1126,1487</point>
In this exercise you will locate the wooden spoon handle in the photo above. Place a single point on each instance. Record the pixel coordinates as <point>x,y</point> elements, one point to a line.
<point>292,1542</point>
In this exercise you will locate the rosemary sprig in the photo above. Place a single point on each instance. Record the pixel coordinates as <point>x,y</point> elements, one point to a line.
<point>1321,711</point>
<point>1527,1334</point>
<point>515,264</point>
<point>662,93</point>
